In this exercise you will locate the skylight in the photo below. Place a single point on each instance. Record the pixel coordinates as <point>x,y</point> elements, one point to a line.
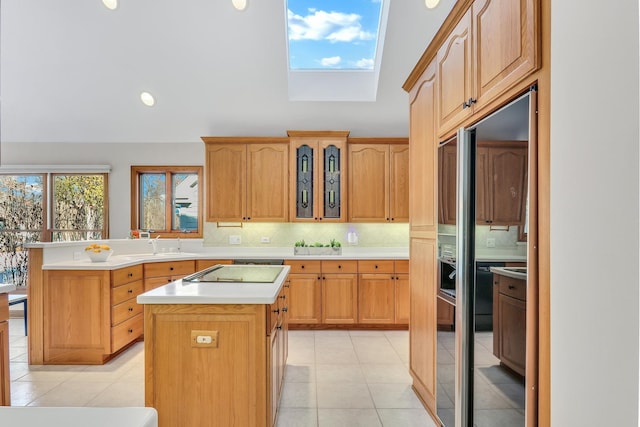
<point>335,48</point>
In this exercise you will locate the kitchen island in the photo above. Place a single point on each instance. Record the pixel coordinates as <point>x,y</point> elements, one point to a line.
<point>215,351</point>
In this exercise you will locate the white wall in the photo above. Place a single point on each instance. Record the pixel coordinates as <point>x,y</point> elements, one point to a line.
<point>594,213</point>
<point>119,156</point>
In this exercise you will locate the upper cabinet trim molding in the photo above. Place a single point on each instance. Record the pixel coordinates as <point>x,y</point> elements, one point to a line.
<point>318,133</point>
<point>245,139</point>
<point>459,9</point>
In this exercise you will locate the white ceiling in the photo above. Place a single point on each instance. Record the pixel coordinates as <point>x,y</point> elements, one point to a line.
<point>72,71</point>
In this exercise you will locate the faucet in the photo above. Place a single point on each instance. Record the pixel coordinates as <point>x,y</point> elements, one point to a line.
<point>154,243</point>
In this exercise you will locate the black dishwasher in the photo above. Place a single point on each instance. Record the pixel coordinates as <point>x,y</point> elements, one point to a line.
<point>484,295</point>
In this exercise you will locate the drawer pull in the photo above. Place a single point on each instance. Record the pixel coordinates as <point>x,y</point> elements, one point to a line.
<point>376,266</point>
<point>302,267</point>
<point>130,275</point>
<point>130,291</point>
<point>285,309</point>
<point>130,330</point>
<point>278,327</point>
<point>170,268</point>
<point>130,309</point>
<point>277,310</point>
<point>283,296</point>
<point>339,266</point>
<point>512,287</point>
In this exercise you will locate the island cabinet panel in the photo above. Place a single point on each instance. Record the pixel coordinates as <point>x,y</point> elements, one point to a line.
<point>5,380</point>
<point>226,384</point>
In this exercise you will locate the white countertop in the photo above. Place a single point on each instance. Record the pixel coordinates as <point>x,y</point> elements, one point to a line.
<point>6,287</point>
<point>120,259</point>
<point>509,272</point>
<point>182,292</point>
<point>78,417</point>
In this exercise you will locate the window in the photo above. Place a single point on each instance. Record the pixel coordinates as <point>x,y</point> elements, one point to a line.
<point>42,207</point>
<point>78,207</point>
<point>166,200</point>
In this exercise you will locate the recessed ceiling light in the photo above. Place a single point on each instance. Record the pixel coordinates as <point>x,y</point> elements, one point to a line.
<point>110,4</point>
<point>431,3</point>
<point>240,4</point>
<point>147,99</point>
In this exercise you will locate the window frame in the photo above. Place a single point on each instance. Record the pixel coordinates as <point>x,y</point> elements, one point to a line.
<point>45,235</point>
<point>136,171</point>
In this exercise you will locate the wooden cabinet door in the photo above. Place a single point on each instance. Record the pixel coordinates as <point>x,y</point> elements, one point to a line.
<point>267,182</point>
<point>77,316</point>
<point>507,185</point>
<point>5,381</point>
<point>423,159</point>
<point>454,76</point>
<point>376,298</point>
<point>402,298</point>
<point>399,183</point>
<point>446,314</point>
<point>226,182</point>
<point>339,298</point>
<point>483,211</point>
<point>505,46</point>
<point>513,320</point>
<point>447,183</point>
<point>369,182</point>
<point>305,295</point>
<point>423,331</point>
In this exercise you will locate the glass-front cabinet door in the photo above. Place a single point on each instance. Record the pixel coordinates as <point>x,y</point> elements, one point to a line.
<point>318,184</point>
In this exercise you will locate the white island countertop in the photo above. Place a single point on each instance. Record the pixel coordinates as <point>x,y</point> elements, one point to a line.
<point>79,417</point>
<point>6,288</point>
<point>185,292</point>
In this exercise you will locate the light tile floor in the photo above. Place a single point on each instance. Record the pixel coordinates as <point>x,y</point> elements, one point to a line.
<point>332,378</point>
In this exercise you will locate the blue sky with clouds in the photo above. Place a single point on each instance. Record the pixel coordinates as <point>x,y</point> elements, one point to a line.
<point>332,34</point>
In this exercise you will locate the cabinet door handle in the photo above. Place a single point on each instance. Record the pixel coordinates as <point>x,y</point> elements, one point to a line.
<point>170,268</point>
<point>130,330</point>
<point>511,287</point>
<point>130,275</point>
<point>277,310</point>
<point>130,291</point>
<point>278,327</point>
<point>130,309</point>
<point>339,266</point>
<point>285,309</point>
<point>319,277</point>
<point>472,101</point>
<point>302,267</point>
<point>283,296</point>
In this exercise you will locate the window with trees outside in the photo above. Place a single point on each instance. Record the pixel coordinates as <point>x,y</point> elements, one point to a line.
<point>75,205</point>
<point>165,200</point>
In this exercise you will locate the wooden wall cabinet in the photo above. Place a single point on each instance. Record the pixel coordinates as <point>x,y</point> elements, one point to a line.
<point>509,325</point>
<point>161,273</point>
<point>492,47</point>
<point>247,181</point>
<point>339,292</point>
<point>5,377</point>
<point>378,180</point>
<point>317,170</point>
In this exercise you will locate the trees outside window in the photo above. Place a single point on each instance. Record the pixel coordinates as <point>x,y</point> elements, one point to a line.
<point>78,207</point>
<point>166,200</point>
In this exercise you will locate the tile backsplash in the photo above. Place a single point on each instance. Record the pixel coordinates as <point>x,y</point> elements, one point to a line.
<point>286,234</point>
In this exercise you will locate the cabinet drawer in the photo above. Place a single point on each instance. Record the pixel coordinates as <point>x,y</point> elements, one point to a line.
<point>201,264</point>
<point>402,266</point>
<point>169,268</point>
<point>125,292</point>
<point>514,288</point>
<point>125,275</point>
<point>125,332</point>
<point>124,311</point>
<point>308,266</point>
<point>155,282</point>
<point>375,266</point>
<point>339,266</point>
